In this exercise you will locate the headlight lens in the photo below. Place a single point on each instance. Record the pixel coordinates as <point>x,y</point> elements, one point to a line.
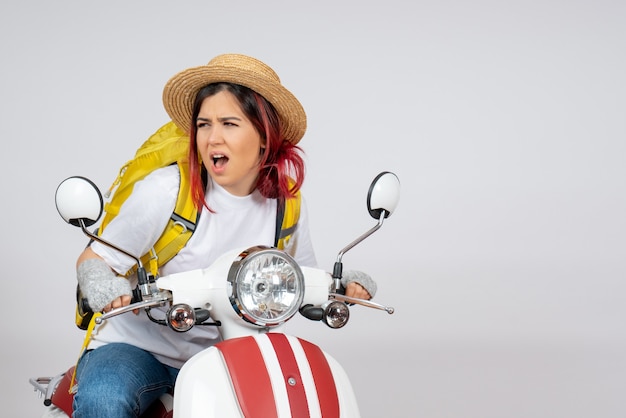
<point>267,286</point>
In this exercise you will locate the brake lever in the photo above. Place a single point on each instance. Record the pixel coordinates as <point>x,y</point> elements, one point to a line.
<point>363,302</point>
<point>157,300</point>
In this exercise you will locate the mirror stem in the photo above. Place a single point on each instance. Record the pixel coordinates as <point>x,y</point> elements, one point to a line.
<point>142,277</point>
<point>337,270</point>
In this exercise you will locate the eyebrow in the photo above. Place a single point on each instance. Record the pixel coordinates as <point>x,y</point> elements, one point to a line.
<point>224,119</point>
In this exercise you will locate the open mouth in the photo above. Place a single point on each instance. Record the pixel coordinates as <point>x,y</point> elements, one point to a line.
<point>219,160</point>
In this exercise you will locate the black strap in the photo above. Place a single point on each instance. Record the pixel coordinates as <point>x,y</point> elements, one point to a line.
<point>280,214</point>
<point>190,226</point>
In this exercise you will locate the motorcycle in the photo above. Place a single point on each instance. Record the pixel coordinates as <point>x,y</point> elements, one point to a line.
<point>257,370</point>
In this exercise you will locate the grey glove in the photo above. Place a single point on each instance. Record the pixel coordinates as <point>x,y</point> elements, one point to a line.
<point>361,278</point>
<point>99,284</point>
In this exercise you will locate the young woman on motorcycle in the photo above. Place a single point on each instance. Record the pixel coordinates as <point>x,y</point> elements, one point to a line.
<point>244,127</point>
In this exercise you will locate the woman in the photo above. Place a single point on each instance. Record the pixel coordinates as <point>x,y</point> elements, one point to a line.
<point>244,127</point>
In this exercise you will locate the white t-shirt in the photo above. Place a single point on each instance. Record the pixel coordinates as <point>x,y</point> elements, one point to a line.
<point>236,222</point>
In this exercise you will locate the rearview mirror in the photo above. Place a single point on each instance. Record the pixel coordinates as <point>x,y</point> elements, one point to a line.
<point>79,198</point>
<point>383,195</point>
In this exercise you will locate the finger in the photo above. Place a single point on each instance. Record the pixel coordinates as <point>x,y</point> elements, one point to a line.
<point>116,303</point>
<point>125,300</point>
<point>363,294</point>
<point>351,290</point>
<point>355,290</point>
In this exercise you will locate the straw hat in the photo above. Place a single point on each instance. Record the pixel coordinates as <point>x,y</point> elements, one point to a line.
<point>180,91</point>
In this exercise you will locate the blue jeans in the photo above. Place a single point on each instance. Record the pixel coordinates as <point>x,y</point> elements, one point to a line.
<point>119,380</point>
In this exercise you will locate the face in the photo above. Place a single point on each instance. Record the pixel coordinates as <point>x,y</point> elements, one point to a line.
<point>228,143</point>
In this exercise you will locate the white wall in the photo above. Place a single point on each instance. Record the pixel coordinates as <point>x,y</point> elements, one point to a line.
<point>503,120</point>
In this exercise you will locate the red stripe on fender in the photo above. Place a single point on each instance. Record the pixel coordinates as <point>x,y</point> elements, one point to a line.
<point>249,377</point>
<point>323,378</point>
<point>295,390</point>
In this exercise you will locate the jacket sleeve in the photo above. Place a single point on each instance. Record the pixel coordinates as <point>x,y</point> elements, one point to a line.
<point>142,218</point>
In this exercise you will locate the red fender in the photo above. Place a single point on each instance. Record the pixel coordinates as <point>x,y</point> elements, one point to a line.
<point>251,381</point>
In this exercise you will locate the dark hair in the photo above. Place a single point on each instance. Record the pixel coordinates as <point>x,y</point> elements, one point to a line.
<point>281,172</point>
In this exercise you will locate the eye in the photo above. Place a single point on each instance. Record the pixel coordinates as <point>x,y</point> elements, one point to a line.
<point>201,123</point>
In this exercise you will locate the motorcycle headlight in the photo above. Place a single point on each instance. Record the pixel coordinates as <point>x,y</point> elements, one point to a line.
<point>267,286</point>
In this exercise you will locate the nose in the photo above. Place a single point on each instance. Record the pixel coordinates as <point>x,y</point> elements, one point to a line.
<point>215,135</point>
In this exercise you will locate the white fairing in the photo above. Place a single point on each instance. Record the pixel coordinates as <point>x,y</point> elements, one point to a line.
<point>317,285</point>
<point>204,387</point>
<point>197,287</point>
<point>347,399</point>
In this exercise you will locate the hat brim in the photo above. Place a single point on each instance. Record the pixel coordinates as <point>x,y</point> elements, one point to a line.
<point>181,90</point>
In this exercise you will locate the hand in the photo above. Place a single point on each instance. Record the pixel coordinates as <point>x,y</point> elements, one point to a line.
<point>355,290</point>
<point>123,300</point>
<point>359,284</point>
<point>101,286</point>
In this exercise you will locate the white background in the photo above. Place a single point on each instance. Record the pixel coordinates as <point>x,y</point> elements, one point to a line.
<point>504,120</point>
